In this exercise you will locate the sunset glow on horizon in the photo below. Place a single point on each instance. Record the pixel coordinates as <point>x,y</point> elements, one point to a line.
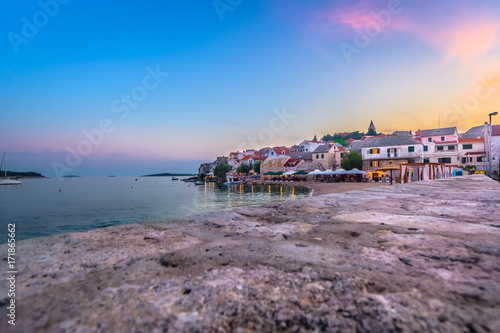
<point>161,87</point>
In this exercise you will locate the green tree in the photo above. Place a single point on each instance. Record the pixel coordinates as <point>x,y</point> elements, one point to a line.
<point>351,160</point>
<point>342,142</point>
<point>222,169</point>
<point>327,137</point>
<point>244,168</point>
<point>256,167</point>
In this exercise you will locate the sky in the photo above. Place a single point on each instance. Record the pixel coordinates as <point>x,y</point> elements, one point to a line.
<point>139,87</point>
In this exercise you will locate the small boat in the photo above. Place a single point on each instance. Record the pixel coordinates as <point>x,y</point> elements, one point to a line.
<point>199,183</point>
<point>12,181</point>
<point>189,180</point>
<point>8,181</point>
<point>175,178</point>
<point>234,182</point>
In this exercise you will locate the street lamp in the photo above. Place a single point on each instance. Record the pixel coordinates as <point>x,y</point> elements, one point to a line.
<point>490,134</point>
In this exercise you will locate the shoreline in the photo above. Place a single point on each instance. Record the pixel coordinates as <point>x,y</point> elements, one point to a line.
<point>419,256</point>
<point>319,188</point>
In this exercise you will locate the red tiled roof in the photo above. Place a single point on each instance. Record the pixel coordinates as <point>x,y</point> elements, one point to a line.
<point>258,158</point>
<point>291,162</point>
<point>341,148</point>
<point>246,157</point>
<point>281,150</point>
<point>471,140</point>
<point>350,140</point>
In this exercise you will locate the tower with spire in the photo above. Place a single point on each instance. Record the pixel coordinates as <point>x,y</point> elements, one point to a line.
<point>371,129</point>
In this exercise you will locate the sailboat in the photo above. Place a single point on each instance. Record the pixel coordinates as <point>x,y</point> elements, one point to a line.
<point>6,181</point>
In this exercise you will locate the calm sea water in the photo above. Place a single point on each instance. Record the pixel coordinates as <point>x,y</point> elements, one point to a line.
<point>43,207</point>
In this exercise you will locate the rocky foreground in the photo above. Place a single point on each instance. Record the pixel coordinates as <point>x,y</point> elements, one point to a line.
<point>421,257</point>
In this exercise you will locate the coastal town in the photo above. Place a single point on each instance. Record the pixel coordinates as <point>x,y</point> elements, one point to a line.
<point>424,154</point>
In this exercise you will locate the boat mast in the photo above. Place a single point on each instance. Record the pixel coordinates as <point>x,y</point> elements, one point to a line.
<point>5,161</point>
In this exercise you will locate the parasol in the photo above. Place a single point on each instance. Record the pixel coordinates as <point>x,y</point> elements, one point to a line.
<point>389,167</point>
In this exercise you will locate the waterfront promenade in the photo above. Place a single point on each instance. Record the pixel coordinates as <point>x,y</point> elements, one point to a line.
<point>409,257</point>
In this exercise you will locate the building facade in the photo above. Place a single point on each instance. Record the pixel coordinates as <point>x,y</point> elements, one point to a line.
<point>377,152</point>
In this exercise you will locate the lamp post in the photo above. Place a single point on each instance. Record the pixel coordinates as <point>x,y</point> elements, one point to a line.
<point>490,135</point>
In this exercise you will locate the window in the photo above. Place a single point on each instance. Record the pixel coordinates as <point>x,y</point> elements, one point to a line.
<point>444,160</point>
<point>469,146</point>
<point>317,156</point>
<point>426,148</point>
<point>451,147</point>
<point>279,164</point>
<point>426,160</point>
<point>374,163</point>
<point>429,139</point>
<point>411,160</point>
<point>479,159</point>
<point>322,155</point>
<point>440,148</point>
<point>341,155</point>
<point>374,151</point>
<point>270,164</point>
<point>411,149</point>
<point>442,138</point>
<point>464,160</point>
<point>392,152</point>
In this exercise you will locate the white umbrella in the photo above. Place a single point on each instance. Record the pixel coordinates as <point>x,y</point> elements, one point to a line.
<point>339,172</point>
<point>328,172</point>
<point>316,172</point>
<point>289,173</point>
<point>356,172</point>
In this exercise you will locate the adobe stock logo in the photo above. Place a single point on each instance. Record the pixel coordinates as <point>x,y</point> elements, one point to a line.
<point>222,6</point>
<point>40,19</point>
<point>485,88</point>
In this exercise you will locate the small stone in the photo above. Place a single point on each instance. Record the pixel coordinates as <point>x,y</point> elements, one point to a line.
<point>305,303</point>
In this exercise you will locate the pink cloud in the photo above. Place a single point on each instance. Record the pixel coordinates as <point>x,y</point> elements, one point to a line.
<point>465,40</point>
<point>460,32</point>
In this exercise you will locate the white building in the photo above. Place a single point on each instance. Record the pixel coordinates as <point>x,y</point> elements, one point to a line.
<point>378,151</point>
<point>309,145</point>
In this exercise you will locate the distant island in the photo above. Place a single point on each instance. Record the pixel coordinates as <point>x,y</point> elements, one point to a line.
<point>71,176</point>
<point>29,174</point>
<point>170,175</point>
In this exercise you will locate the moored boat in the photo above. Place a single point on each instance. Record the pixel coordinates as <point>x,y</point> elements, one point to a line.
<point>8,181</point>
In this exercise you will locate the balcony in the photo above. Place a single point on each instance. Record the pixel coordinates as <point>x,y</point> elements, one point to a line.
<point>397,154</point>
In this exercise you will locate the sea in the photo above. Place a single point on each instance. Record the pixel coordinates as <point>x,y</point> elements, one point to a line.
<point>49,206</point>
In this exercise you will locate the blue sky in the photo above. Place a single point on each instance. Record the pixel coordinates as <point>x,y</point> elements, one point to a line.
<point>229,78</point>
